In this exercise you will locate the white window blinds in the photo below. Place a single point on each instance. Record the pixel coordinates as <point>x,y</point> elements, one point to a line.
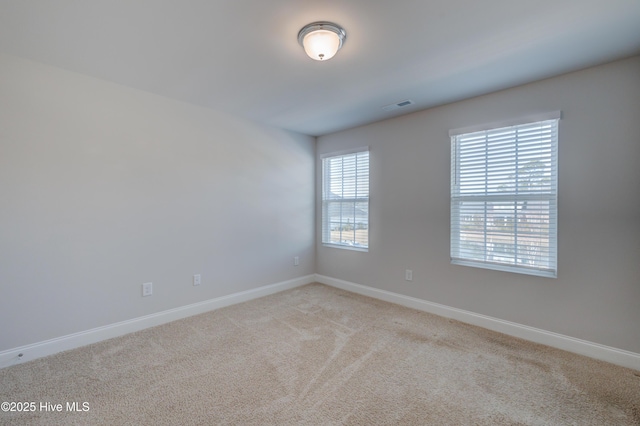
<point>504,197</point>
<point>345,200</point>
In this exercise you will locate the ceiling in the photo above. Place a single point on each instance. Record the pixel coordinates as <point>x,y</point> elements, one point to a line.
<point>242,56</point>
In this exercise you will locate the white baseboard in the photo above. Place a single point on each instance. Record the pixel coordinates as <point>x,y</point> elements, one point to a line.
<point>75,340</point>
<point>571,344</point>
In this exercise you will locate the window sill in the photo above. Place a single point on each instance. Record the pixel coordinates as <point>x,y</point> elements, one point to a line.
<point>506,268</point>
<point>346,247</point>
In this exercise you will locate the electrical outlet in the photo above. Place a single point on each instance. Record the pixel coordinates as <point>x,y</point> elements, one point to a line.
<point>147,289</point>
<point>296,261</point>
<point>408,275</point>
<point>197,279</point>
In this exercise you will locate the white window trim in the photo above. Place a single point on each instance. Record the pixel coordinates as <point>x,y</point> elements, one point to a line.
<point>532,118</point>
<point>344,152</point>
<point>323,213</point>
<point>550,273</point>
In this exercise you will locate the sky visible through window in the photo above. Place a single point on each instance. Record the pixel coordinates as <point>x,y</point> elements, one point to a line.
<point>511,161</point>
<point>503,209</point>
<point>350,175</point>
<point>345,198</point>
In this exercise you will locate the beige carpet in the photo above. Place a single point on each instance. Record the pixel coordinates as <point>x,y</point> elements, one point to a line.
<point>316,355</point>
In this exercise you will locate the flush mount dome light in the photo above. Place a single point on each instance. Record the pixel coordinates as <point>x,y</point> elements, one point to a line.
<point>321,40</point>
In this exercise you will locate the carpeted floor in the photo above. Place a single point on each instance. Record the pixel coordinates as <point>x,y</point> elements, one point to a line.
<point>316,355</point>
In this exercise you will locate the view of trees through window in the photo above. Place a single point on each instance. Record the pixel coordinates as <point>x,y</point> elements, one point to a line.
<point>503,196</point>
<point>345,200</point>
<point>514,232</point>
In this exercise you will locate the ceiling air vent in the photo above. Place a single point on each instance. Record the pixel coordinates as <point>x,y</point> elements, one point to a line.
<point>400,104</point>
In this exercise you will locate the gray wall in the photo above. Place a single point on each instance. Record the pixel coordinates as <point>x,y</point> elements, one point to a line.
<point>596,296</point>
<point>103,188</point>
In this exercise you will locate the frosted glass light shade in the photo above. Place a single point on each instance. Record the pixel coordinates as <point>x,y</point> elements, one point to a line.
<point>321,44</point>
<point>321,40</point>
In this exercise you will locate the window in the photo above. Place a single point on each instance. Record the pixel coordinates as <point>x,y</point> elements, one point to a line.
<point>504,196</point>
<point>345,199</point>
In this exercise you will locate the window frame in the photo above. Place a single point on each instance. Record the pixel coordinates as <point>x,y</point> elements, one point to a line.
<point>327,202</point>
<point>486,254</point>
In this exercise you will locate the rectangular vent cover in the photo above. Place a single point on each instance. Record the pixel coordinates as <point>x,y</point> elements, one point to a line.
<point>400,104</point>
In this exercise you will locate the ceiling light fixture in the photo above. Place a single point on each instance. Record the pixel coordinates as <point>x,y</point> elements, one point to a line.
<point>321,40</point>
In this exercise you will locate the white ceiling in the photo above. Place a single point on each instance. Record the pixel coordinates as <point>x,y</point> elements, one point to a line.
<point>242,56</point>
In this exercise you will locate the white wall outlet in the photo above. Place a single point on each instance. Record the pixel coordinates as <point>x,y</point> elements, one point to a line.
<point>296,261</point>
<point>197,279</point>
<point>147,289</point>
<point>408,275</point>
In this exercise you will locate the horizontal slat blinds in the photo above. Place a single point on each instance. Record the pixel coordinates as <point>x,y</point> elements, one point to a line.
<point>345,200</point>
<point>504,198</point>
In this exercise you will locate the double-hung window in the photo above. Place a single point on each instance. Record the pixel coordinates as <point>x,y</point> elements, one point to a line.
<point>345,199</point>
<point>504,196</point>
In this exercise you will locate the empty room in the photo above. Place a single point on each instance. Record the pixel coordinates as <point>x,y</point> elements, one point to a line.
<point>320,212</point>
